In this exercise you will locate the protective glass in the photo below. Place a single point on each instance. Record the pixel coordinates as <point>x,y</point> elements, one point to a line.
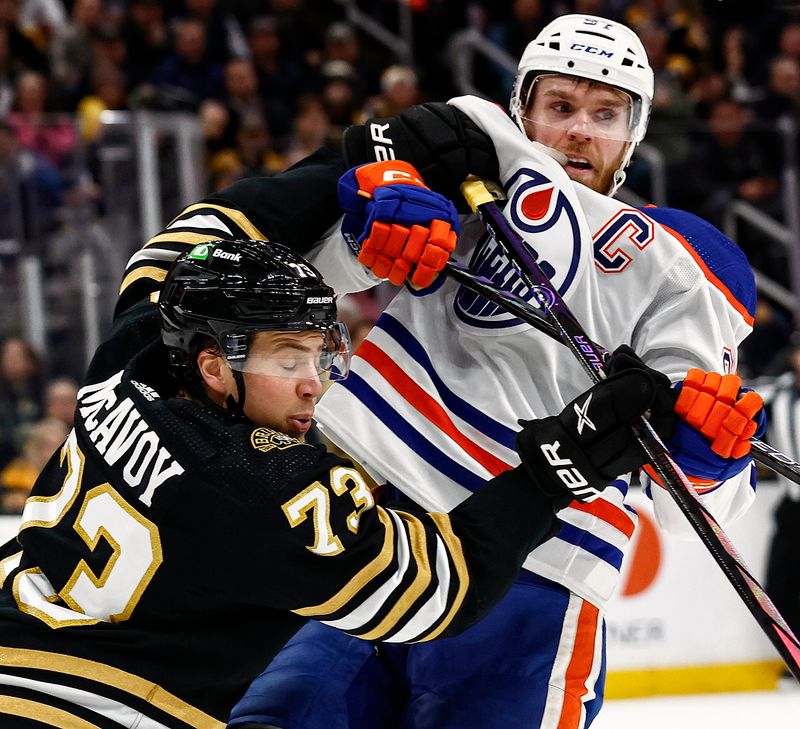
<point>326,357</point>
<point>594,109</point>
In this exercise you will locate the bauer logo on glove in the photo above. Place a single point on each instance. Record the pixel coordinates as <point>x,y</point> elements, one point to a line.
<point>400,229</point>
<point>576,454</point>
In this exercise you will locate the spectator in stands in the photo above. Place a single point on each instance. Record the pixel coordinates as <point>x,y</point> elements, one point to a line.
<point>108,93</point>
<point>310,128</point>
<point>730,160</point>
<point>342,44</point>
<point>342,97</point>
<point>51,134</point>
<point>302,26</point>
<point>242,98</point>
<point>215,123</point>
<point>688,42</point>
<point>737,66</point>
<point>185,72</point>
<point>789,41</point>
<point>145,34</point>
<point>255,146</point>
<point>39,20</point>
<point>512,32</point>
<point>253,155</point>
<point>70,49</point>
<point>8,73</point>
<point>782,95</point>
<point>706,90</point>
<point>20,391</point>
<point>224,34</point>
<point>60,399</point>
<point>670,117</point>
<point>399,90</point>
<point>40,442</point>
<point>280,76</point>
<point>23,49</point>
<point>31,190</point>
<point>109,46</point>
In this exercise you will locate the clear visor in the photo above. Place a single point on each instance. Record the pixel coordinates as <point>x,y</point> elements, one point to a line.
<point>324,354</point>
<point>568,104</point>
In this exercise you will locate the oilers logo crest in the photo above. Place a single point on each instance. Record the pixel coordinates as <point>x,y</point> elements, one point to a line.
<point>544,217</point>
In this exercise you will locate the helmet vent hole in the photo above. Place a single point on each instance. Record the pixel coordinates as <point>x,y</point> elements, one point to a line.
<point>570,63</point>
<point>605,72</point>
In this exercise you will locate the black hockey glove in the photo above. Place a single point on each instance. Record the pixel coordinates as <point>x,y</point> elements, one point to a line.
<point>575,455</point>
<point>441,141</point>
<point>662,410</point>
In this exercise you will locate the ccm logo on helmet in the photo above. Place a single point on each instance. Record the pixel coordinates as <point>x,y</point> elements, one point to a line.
<point>591,49</point>
<point>227,256</point>
<point>319,300</point>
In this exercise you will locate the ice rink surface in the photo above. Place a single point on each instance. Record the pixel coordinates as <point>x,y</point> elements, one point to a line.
<point>762,710</point>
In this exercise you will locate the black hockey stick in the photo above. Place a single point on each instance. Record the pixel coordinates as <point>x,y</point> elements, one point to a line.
<point>572,334</point>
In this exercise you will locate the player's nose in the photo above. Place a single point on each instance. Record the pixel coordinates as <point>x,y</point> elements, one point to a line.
<point>581,126</point>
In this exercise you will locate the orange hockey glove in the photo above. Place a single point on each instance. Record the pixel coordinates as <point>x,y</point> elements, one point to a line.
<point>716,421</point>
<point>710,403</point>
<point>399,228</point>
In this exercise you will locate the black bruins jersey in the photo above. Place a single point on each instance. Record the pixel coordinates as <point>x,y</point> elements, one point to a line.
<point>166,554</point>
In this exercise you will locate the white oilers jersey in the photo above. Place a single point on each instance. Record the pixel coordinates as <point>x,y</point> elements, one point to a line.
<point>436,390</point>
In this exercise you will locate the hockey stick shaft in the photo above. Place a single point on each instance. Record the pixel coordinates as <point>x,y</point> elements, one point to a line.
<point>591,357</point>
<point>761,451</point>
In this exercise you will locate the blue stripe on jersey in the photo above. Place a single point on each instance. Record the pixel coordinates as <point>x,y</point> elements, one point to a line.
<point>462,409</point>
<point>592,544</point>
<point>723,257</point>
<point>410,435</point>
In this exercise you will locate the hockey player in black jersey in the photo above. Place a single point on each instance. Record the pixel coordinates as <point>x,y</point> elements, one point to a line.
<point>185,530</point>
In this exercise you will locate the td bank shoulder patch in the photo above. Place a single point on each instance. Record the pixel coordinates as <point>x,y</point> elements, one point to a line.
<point>266,439</point>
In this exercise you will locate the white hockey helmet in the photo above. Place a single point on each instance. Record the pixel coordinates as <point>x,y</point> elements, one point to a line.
<point>594,48</point>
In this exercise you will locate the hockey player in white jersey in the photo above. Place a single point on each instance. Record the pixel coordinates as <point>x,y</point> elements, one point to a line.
<point>438,385</point>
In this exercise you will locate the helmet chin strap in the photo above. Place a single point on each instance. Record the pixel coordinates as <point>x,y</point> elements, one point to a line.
<point>619,175</point>
<point>233,410</point>
<point>235,407</point>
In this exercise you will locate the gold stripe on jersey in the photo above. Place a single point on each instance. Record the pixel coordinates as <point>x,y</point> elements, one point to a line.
<point>419,549</point>
<point>157,274</point>
<point>364,576</point>
<point>453,543</point>
<point>182,236</point>
<point>113,677</point>
<point>236,216</point>
<point>44,713</point>
<point>8,565</point>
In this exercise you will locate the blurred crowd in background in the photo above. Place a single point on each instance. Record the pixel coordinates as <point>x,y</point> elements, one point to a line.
<point>272,80</point>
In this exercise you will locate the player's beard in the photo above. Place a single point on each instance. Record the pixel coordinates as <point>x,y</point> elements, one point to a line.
<point>600,177</point>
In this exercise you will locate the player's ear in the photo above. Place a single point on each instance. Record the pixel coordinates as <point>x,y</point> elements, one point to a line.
<point>213,371</point>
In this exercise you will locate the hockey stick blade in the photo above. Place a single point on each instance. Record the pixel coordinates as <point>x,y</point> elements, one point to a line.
<point>591,357</point>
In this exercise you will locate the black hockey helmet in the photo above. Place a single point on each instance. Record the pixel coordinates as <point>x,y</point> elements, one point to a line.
<point>229,290</point>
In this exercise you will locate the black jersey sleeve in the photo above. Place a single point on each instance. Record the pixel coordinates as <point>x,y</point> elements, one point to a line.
<point>323,549</point>
<point>295,208</point>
